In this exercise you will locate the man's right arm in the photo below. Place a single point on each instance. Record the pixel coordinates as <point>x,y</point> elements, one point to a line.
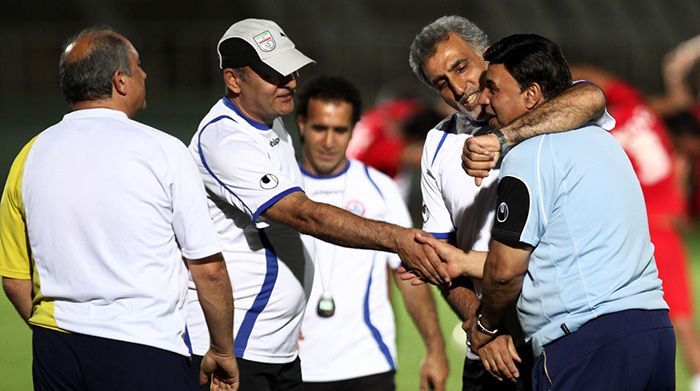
<point>215,296</point>
<point>343,228</point>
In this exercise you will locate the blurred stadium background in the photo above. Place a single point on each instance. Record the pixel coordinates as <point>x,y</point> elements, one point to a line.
<point>366,41</point>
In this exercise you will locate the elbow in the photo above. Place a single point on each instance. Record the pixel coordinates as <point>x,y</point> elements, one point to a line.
<point>596,97</point>
<point>503,276</point>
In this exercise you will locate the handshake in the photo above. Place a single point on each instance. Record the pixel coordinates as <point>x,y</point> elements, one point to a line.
<point>427,259</point>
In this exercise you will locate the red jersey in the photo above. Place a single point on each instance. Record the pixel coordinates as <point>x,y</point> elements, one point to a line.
<point>646,141</point>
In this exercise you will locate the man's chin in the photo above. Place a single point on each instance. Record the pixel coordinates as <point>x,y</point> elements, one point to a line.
<point>474,114</point>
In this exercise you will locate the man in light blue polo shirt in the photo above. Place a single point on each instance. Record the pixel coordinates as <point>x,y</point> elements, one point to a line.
<point>570,242</point>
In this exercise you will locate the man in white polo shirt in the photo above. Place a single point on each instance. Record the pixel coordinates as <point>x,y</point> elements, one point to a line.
<point>96,217</point>
<point>348,329</point>
<point>246,159</point>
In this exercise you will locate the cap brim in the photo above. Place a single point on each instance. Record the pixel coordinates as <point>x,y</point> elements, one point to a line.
<point>288,62</point>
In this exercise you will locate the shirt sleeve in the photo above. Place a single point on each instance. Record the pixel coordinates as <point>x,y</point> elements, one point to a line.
<point>240,171</point>
<point>194,230</point>
<point>15,259</point>
<point>513,211</point>
<point>436,217</point>
<point>519,217</point>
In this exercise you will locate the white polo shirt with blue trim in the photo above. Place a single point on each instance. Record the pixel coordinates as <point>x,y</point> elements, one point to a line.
<point>360,338</point>
<point>247,167</point>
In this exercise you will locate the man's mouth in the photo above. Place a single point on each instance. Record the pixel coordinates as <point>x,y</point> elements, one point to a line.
<point>470,99</point>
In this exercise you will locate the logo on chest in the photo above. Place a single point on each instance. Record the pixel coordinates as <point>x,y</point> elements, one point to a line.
<point>274,141</point>
<point>269,181</point>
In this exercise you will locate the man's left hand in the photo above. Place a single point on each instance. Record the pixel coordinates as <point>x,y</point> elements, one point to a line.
<point>479,155</point>
<point>433,371</point>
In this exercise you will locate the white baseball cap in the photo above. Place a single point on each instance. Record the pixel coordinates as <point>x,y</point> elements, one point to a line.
<point>271,45</point>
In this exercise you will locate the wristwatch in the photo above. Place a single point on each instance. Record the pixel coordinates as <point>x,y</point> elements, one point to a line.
<point>502,141</point>
<point>480,327</point>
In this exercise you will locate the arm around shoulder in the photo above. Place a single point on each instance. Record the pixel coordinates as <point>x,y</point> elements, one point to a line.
<point>581,103</point>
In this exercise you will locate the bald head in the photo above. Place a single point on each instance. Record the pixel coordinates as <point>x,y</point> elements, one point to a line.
<point>89,62</point>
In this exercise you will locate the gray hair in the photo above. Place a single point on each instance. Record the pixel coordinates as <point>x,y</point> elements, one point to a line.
<point>89,77</point>
<point>426,42</point>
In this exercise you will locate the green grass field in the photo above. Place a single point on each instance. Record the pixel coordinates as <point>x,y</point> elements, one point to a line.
<point>15,341</point>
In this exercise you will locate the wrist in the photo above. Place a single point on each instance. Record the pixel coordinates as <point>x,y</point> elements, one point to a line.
<point>502,141</point>
<point>483,328</point>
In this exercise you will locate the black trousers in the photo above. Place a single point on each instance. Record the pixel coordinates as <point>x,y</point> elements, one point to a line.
<point>74,362</point>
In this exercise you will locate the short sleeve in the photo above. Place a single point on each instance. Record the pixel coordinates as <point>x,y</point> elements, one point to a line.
<point>240,171</point>
<point>194,230</point>
<point>15,258</point>
<point>514,212</point>
<point>436,217</point>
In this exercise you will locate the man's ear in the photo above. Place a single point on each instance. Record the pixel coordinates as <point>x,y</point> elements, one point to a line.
<point>301,123</point>
<point>533,95</point>
<point>119,82</point>
<point>232,80</point>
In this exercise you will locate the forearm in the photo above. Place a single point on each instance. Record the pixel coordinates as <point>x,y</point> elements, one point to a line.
<point>577,105</point>
<point>335,225</point>
<point>19,292</point>
<point>503,280</point>
<point>421,307</point>
<point>462,298</point>
<point>216,299</point>
<point>472,263</point>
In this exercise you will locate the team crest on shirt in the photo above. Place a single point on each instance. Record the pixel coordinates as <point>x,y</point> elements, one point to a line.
<point>502,212</point>
<point>269,181</point>
<point>355,207</point>
<point>265,41</point>
<point>425,212</point>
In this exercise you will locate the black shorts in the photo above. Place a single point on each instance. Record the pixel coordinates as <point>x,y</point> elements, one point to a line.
<point>71,362</point>
<point>258,376</point>
<point>379,382</point>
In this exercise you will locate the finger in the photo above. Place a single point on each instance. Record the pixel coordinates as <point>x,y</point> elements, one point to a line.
<point>203,376</point>
<point>418,282</point>
<point>437,264</point>
<point>468,166</point>
<point>506,366</point>
<point>478,173</point>
<point>477,181</point>
<point>408,276</point>
<point>479,166</point>
<point>423,238</point>
<point>423,386</point>
<point>513,351</point>
<point>473,156</point>
<point>490,368</point>
<point>480,144</point>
